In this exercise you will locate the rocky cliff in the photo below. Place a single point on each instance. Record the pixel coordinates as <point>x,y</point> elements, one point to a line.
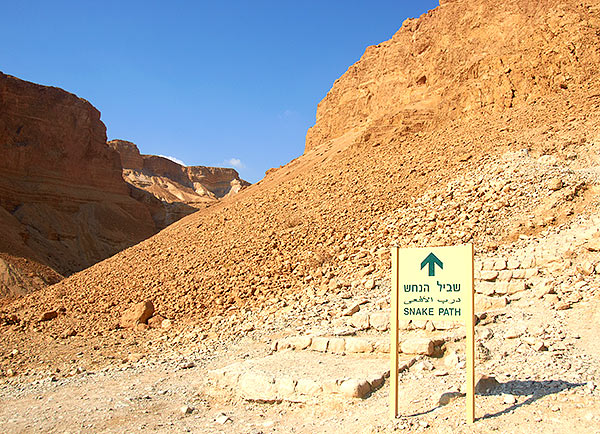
<point>63,201</point>
<point>181,189</point>
<point>460,60</point>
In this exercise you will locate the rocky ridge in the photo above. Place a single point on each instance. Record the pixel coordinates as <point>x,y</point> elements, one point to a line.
<point>181,189</point>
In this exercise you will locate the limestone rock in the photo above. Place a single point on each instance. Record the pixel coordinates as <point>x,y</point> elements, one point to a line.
<point>379,320</point>
<point>358,345</point>
<point>555,184</point>
<point>418,346</point>
<point>137,314</point>
<point>354,388</point>
<point>48,315</point>
<point>319,344</point>
<point>309,387</point>
<point>256,387</point>
<point>337,345</point>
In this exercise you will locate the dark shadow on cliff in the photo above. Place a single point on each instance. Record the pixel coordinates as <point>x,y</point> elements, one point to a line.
<point>163,213</point>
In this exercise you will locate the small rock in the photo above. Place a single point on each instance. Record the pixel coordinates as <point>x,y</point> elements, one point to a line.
<point>47,316</point>
<point>360,320</point>
<point>489,275</point>
<point>509,399</point>
<point>586,268</point>
<point>299,342</point>
<point>358,345</point>
<point>337,345</point>
<point>68,333</point>
<point>423,365</point>
<point>140,327</point>
<point>555,184</point>
<point>418,346</point>
<point>155,322</point>
<point>186,409</point>
<point>513,334</point>
<point>447,397</point>
<point>593,245</point>
<point>135,357</point>
<point>306,386</point>
<point>379,321</point>
<point>222,419</point>
<point>451,360</point>
<point>352,309</point>
<point>355,388</point>
<point>137,314</point>
<point>562,305</point>
<point>319,344</point>
<point>485,384</point>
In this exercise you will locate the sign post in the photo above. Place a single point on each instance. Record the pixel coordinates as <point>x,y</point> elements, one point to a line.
<point>433,283</point>
<point>394,337</point>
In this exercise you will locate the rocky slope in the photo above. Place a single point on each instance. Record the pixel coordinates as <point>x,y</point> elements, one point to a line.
<point>325,220</point>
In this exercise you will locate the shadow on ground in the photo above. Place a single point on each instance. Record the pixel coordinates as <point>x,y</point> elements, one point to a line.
<point>534,390</point>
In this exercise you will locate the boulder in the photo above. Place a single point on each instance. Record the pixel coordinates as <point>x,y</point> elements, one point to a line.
<point>418,346</point>
<point>137,314</point>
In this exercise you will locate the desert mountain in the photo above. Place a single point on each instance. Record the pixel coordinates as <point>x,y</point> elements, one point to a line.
<point>477,122</point>
<point>64,204</point>
<point>63,200</point>
<point>171,182</point>
<point>458,129</point>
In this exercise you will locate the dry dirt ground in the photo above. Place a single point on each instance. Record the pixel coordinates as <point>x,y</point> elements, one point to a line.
<point>159,380</point>
<point>149,396</point>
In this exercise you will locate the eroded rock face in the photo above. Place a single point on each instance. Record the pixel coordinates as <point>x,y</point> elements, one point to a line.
<point>420,78</point>
<point>62,198</point>
<point>171,182</point>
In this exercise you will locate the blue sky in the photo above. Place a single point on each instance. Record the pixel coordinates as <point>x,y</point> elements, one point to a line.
<point>209,83</point>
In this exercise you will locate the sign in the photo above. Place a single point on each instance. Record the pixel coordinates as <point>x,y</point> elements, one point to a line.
<point>433,283</point>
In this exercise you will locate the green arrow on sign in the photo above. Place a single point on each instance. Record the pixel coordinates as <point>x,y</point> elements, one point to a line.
<point>432,260</point>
